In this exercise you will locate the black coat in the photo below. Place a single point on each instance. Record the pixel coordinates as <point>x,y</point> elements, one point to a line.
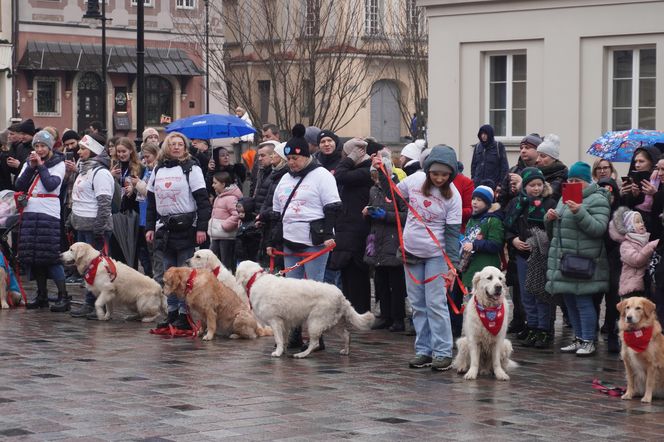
<point>383,240</point>
<point>263,181</point>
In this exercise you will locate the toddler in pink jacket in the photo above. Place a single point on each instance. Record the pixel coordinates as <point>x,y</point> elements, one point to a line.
<point>628,229</point>
<point>225,220</point>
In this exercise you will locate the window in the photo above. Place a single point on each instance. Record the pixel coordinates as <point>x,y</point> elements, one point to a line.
<point>264,94</point>
<point>372,17</point>
<point>148,3</point>
<point>633,89</point>
<point>507,94</point>
<point>311,18</point>
<point>158,99</point>
<point>413,15</point>
<point>185,4</point>
<point>47,97</point>
<point>307,99</point>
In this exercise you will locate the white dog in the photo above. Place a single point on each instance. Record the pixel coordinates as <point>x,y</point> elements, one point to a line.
<point>206,259</point>
<point>284,303</point>
<point>483,346</point>
<point>139,293</point>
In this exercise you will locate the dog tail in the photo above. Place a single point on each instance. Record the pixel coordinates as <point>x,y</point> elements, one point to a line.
<point>264,331</point>
<point>358,321</point>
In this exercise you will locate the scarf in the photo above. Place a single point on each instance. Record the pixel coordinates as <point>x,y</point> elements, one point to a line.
<point>638,340</point>
<point>646,205</point>
<point>491,317</point>
<point>531,206</point>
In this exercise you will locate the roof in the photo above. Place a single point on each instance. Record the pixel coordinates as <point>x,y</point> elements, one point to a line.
<point>59,56</point>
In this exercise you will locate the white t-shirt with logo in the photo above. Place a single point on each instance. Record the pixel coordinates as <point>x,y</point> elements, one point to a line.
<point>50,205</point>
<point>84,194</point>
<point>172,193</point>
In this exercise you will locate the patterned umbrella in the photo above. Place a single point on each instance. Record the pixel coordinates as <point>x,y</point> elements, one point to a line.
<point>620,146</point>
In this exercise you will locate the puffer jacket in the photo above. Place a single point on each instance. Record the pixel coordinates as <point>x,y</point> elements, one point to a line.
<point>224,213</point>
<point>635,253</point>
<point>262,186</point>
<point>383,240</point>
<point>580,234</point>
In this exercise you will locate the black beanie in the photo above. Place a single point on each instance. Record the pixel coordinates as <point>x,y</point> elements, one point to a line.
<point>373,147</point>
<point>70,135</point>
<point>27,127</point>
<point>328,133</point>
<point>297,145</point>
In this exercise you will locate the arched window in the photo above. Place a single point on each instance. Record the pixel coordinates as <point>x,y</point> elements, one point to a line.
<point>158,99</point>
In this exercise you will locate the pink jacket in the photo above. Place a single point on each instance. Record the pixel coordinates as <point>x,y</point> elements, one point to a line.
<point>224,208</point>
<point>635,253</point>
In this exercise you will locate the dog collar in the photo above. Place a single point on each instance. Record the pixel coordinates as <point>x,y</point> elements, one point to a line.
<point>638,340</point>
<point>91,272</point>
<point>491,317</point>
<point>190,282</point>
<point>215,271</point>
<point>251,282</point>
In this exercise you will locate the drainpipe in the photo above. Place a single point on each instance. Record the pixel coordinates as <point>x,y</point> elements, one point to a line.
<point>16,95</point>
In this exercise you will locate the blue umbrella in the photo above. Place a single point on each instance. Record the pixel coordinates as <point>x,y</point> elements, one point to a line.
<point>210,126</point>
<point>620,146</point>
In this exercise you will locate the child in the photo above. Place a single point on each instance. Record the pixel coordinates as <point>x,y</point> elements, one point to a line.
<point>485,235</point>
<point>248,239</point>
<point>627,228</point>
<point>224,221</point>
<point>524,213</point>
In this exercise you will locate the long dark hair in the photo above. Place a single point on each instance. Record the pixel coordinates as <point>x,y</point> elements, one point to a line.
<point>445,189</point>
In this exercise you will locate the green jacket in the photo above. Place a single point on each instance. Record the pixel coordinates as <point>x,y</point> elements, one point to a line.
<point>581,234</point>
<point>487,234</point>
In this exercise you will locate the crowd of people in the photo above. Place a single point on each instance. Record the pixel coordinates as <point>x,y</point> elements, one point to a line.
<point>362,211</point>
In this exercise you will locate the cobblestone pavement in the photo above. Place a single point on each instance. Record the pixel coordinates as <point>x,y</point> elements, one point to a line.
<point>69,379</point>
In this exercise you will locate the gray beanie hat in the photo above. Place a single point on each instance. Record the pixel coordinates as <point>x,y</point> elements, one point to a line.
<point>311,135</point>
<point>442,154</point>
<point>550,146</point>
<point>44,137</point>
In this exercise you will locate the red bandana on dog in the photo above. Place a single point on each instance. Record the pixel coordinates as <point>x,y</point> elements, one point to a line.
<point>190,282</point>
<point>491,317</point>
<point>638,340</point>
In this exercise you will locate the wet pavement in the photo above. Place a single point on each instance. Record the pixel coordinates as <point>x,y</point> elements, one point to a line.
<point>76,379</point>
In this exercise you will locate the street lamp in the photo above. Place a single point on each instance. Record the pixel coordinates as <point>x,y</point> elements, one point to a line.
<point>94,14</point>
<point>140,71</point>
<point>207,56</point>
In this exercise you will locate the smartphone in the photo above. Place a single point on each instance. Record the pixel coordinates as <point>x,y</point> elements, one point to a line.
<point>639,177</point>
<point>69,156</point>
<point>626,180</point>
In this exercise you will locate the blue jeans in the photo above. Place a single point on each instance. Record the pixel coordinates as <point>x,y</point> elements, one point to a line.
<point>431,317</point>
<point>582,314</point>
<point>333,277</point>
<point>314,270</point>
<point>88,237</point>
<point>176,258</point>
<point>538,313</point>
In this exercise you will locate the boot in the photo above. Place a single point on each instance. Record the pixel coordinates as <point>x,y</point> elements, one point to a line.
<point>172,316</point>
<point>181,323</point>
<point>39,301</point>
<point>613,342</point>
<point>63,302</point>
<point>295,338</point>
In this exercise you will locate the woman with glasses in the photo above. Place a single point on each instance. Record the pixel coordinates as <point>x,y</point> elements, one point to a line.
<point>603,169</point>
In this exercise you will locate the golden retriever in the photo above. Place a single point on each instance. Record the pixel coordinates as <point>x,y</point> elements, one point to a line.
<point>206,259</point>
<point>643,357</point>
<point>284,303</point>
<point>217,305</point>
<point>479,350</point>
<point>138,293</point>
<point>7,295</point>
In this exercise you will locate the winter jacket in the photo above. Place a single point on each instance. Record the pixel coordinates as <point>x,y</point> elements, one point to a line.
<point>262,186</point>
<point>351,229</point>
<point>330,162</point>
<point>521,215</point>
<point>506,194</point>
<point>489,159</point>
<point>555,174</point>
<point>411,167</point>
<point>487,234</point>
<point>383,240</point>
<point>465,186</point>
<point>224,220</point>
<point>580,234</point>
<point>630,200</point>
<point>265,209</point>
<point>635,254</point>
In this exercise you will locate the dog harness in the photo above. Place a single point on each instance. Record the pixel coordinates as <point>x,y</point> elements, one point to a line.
<point>250,283</point>
<point>491,317</point>
<point>638,340</point>
<point>91,273</point>
<point>215,271</point>
<point>190,282</point>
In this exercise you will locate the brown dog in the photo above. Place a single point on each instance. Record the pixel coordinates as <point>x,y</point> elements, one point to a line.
<point>6,295</point>
<point>642,348</point>
<point>216,304</point>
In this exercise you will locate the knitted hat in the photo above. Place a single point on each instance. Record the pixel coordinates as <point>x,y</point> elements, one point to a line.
<point>70,134</point>
<point>442,154</point>
<point>531,173</point>
<point>354,144</point>
<point>326,133</point>
<point>550,146</point>
<point>150,131</point>
<point>270,143</point>
<point>297,145</point>
<point>485,193</point>
<point>581,171</point>
<point>279,150</point>
<point>27,127</point>
<point>425,153</point>
<point>628,220</point>
<point>374,147</point>
<point>532,141</point>
<point>311,134</point>
<point>43,137</point>
<point>414,149</point>
<point>91,144</point>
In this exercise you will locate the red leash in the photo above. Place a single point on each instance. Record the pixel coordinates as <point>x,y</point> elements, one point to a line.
<point>173,332</point>
<point>307,258</point>
<point>449,281</point>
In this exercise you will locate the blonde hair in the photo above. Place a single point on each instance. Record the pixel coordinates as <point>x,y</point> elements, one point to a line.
<point>596,164</point>
<point>165,151</point>
<point>134,163</point>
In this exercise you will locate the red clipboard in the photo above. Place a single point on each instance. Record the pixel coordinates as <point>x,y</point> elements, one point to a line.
<point>573,192</point>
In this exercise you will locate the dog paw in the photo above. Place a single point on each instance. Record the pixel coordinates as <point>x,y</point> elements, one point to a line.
<point>627,396</point>
<point>5,305</point>
<point>208,337</point>
<point>234,336</point>
<point>300,355</point>
<point>105,317</point>
<point>502,376</point>
<point>344,351</point>
<point>471,375</point>
<point>276,354</point>
<point>646,399</point>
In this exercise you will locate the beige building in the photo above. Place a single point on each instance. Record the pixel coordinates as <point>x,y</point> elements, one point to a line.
<point>340,64</point>
<point>6,94</point>
<point>576,68</point>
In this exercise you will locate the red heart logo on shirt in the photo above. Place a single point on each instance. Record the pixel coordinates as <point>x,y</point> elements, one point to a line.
<point>168,184</point>
<point>427,203</point>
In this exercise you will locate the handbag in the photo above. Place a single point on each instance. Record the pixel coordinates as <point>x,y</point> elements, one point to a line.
<point>317,231</point>
<point>537,264</point>
<point>573,265</point>
<point>179,222</point>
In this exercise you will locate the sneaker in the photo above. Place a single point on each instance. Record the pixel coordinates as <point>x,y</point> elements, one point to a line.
<point>531,338</point>
<point>73,280</point>
<point>181,323</point>
<point>62,305</point>
<point>420,361</point>
<point>515,327</point>
<point>573,347</point>
<point>397,327</point>
<point>440,363</point>
<point>544,340</point>
<point>83,311</point>
<point>587,349</point>
<point>523,334</point>
<point>40,301</point>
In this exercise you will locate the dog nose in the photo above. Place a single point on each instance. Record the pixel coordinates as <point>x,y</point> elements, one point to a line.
<point>499,289</point>
<point>628,319</point>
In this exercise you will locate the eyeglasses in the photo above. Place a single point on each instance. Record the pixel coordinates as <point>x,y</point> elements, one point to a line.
<point>603,168</point>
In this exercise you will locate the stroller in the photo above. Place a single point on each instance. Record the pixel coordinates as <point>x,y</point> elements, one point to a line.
<point>9,218</point>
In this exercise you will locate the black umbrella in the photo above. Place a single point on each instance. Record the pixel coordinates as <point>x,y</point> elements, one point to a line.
<point>125,230</point>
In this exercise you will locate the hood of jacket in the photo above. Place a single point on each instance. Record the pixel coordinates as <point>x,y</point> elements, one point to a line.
<point>487,129</point>
<point>442,154</point>
<point>652,152</point>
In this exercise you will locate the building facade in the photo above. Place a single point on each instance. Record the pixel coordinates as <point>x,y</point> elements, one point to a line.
<point>58,63</point>
<point>6,39</point>
<point>576,68</point>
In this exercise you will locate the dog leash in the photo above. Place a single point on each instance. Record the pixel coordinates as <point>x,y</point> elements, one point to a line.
<point>310,256</point>
<point>607,389</point>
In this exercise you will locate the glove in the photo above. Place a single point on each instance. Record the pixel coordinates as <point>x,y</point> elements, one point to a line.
<point>377,213</point>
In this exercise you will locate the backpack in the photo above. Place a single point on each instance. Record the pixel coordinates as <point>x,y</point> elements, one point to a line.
<point>116,199</point>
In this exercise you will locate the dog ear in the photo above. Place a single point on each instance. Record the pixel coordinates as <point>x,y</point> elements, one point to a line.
<point>476,279</point>
<point>621,307</point>
<point>649,307</point>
